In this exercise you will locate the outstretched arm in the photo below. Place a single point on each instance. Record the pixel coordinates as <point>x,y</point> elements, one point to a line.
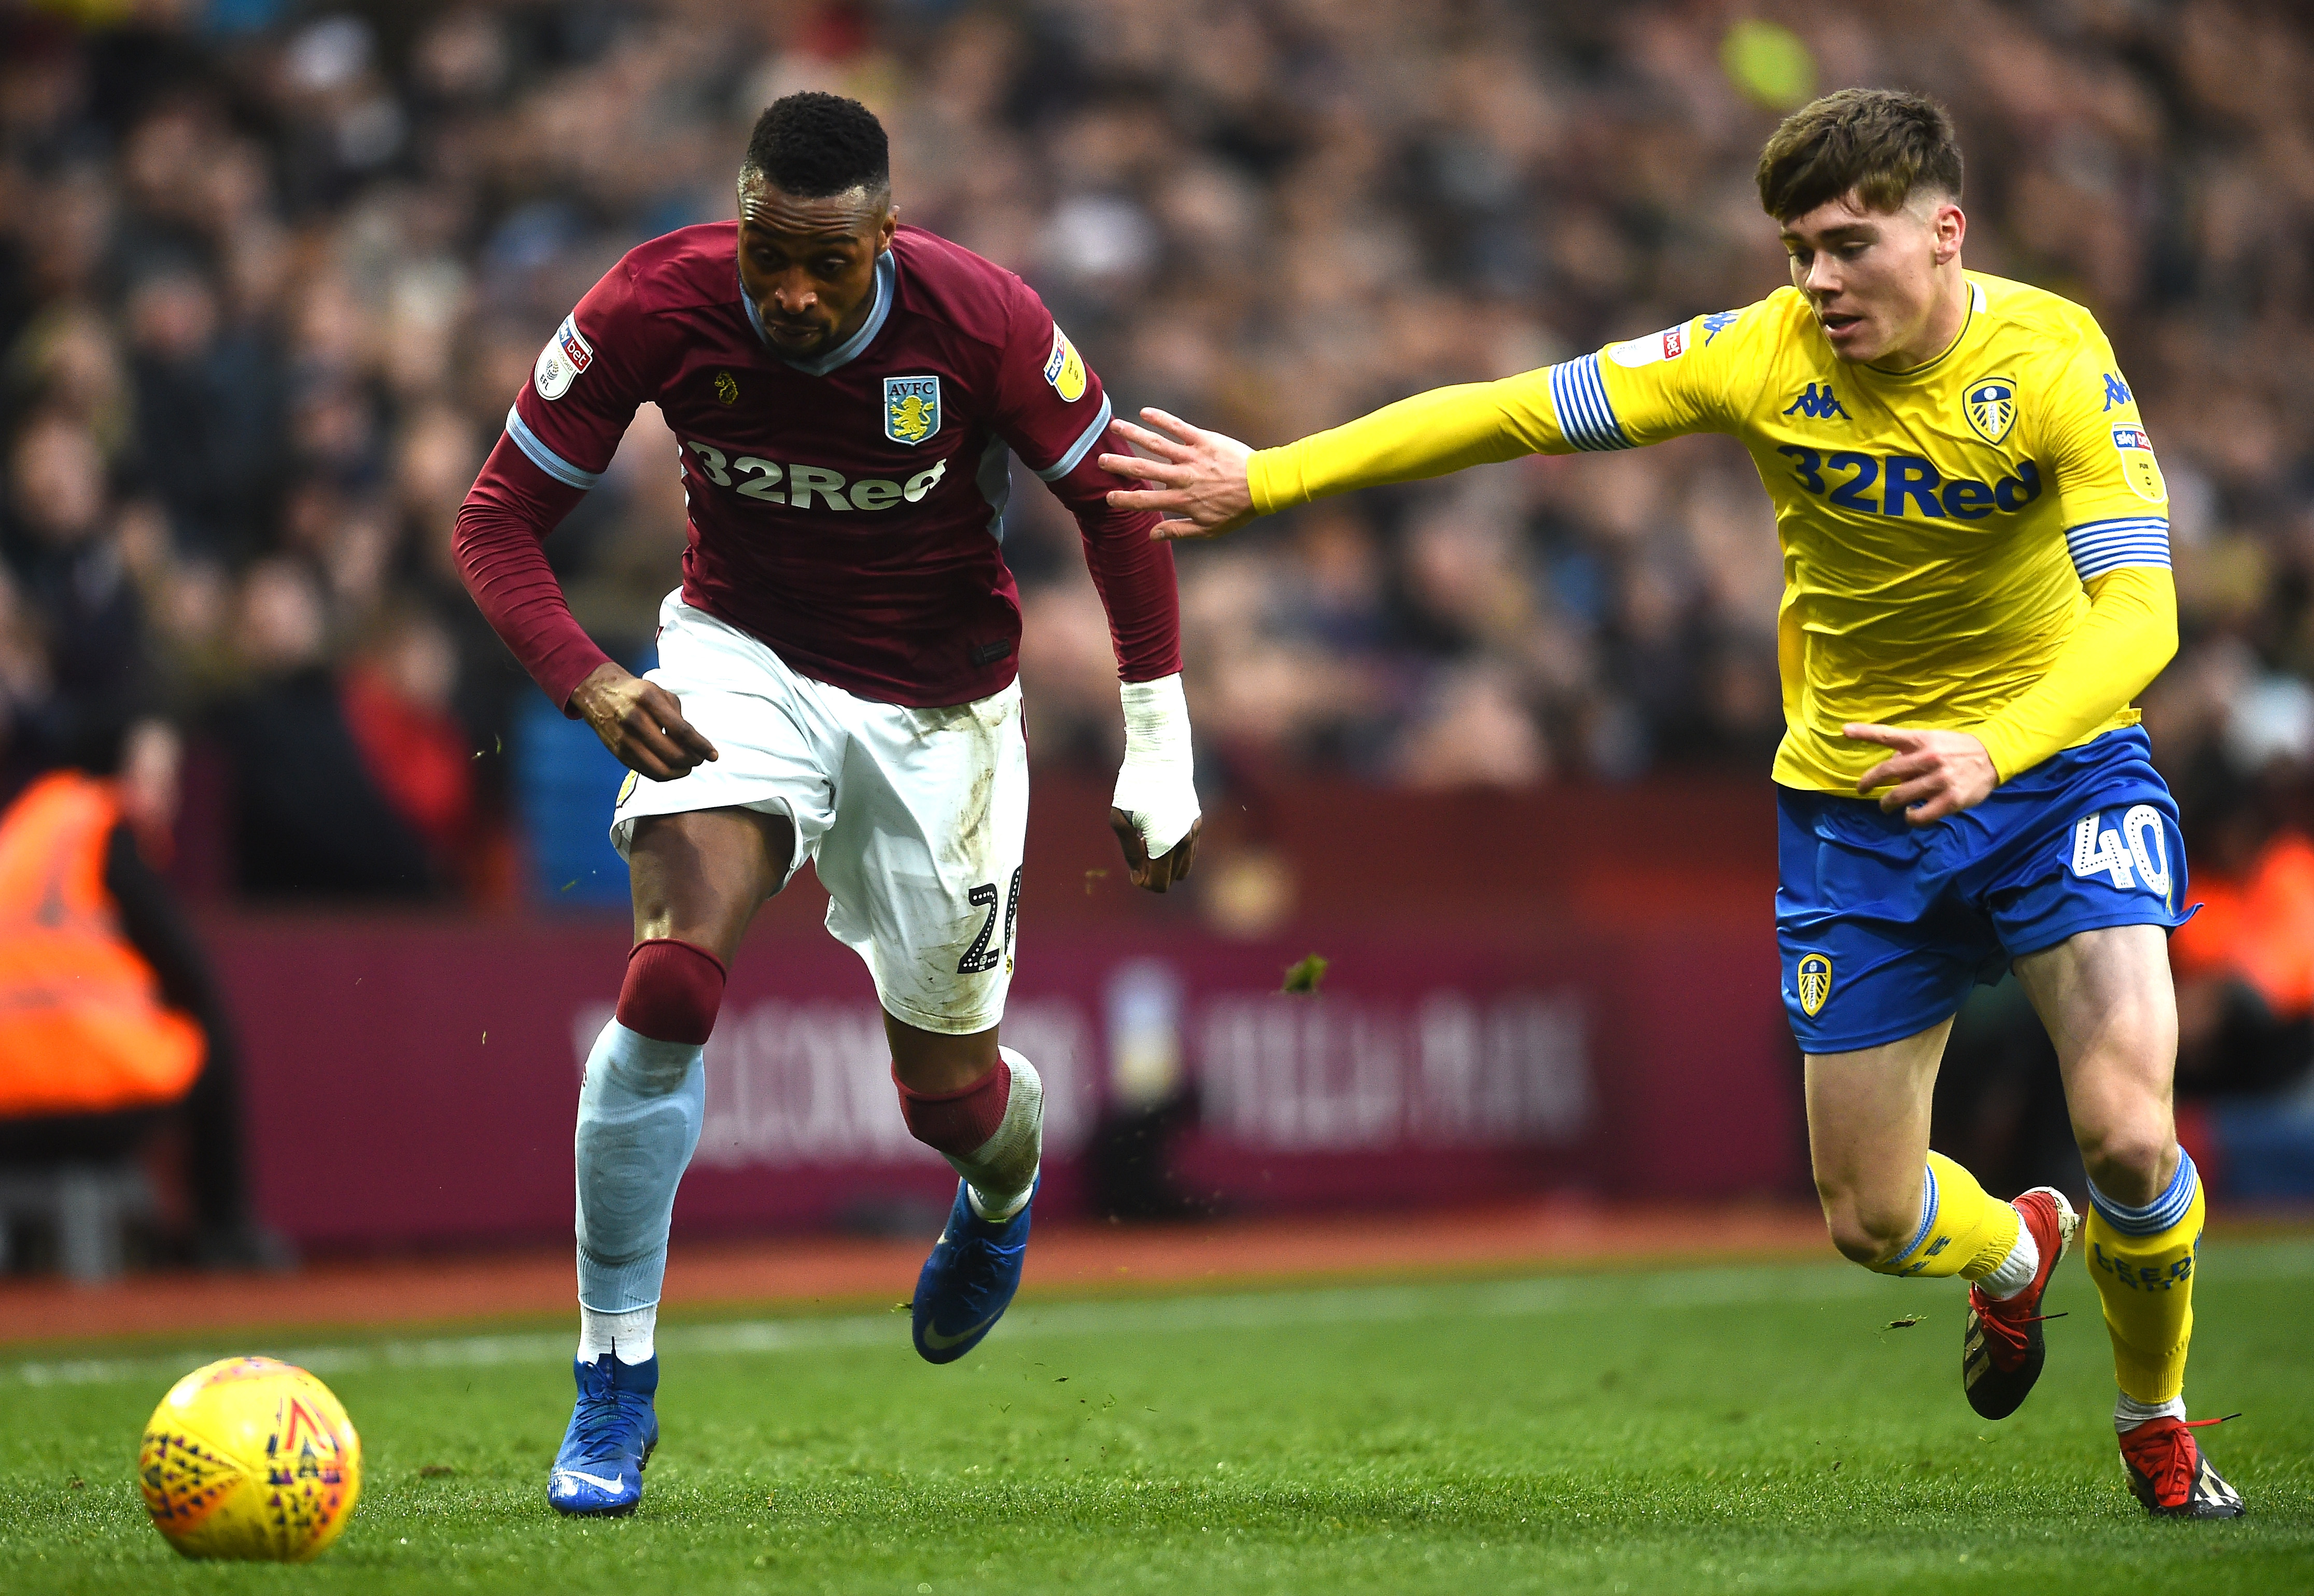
<point>1207,483</point>
<point>1640,392</point>
<point>500,540</point>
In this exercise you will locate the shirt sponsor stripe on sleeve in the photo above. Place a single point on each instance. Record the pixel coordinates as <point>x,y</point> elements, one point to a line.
<point>1584,414</point>
<point>2101,546</point>
<point>544,458</point>
<point>1077,451</point>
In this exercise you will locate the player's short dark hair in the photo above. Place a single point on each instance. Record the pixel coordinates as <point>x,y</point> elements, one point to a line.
<point>813,145</point>
<point>1884,145</point>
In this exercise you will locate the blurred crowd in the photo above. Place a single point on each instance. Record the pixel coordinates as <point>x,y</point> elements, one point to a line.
<point>270,273</point>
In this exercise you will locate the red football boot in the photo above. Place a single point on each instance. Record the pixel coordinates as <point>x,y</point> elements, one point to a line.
<point>2169,1474</point>
<point>2001,1349</point>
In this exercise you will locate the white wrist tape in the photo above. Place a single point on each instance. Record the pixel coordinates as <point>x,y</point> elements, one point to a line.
<point>1157,785</point>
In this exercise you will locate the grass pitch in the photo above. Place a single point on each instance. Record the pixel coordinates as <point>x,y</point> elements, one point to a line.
<point>1702,1430</point>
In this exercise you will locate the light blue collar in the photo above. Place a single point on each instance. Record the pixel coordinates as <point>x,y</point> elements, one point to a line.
<point>851,348</point>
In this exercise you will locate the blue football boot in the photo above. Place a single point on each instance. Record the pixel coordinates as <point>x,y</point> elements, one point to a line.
<point>969,1282</point>
<point>599,1471</point>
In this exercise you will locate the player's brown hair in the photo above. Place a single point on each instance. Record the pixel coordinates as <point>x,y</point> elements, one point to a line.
<point>1883,144</point>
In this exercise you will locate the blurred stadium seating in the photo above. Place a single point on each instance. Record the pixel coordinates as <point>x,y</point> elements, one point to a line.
<point>269,273</point>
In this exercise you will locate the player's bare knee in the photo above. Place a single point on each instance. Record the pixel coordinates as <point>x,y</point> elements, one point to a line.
<point>2127,1160</point>
<point>1861,1231</point>
<point>1860,1243</point>
<point>935,1064</point>
<point>672,991</point>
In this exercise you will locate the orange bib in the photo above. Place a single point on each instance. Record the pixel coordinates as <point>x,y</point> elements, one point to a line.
<point>82,1030</point>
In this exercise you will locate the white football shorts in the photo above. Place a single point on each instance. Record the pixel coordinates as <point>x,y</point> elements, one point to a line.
<point>914,817</point>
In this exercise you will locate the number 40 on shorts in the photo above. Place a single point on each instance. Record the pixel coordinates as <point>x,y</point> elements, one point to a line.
<point>2099,850</point>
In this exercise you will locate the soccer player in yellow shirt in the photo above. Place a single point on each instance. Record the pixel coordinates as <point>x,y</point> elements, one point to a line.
<point>1976,584</point>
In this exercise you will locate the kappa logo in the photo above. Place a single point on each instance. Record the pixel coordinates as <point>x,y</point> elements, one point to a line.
<point>563,360</point>
<point>727,388</point>
<point>1718,323</point>
<point>1814,984</point>
<point>1064,368</point>
<point>911,409</point>
<point>2117,392</point>
<point>2139,469</point>
<point>1818,401</point>
<point>1989,403</point>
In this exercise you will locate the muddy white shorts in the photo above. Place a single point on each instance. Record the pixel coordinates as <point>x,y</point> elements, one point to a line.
<point>914,817</point>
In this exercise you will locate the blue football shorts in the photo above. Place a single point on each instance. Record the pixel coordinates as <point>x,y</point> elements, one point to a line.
<point>1882,926</point>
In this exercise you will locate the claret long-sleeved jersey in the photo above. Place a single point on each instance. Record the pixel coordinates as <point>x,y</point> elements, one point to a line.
<point>848,511</point>
<point>1943,529</point>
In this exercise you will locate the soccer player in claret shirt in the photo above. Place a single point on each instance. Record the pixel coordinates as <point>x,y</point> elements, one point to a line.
<point>837,682</point>
<point>1975,541</point>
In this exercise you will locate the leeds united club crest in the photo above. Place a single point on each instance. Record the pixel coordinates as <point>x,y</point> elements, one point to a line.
<point>1814,984</point>
<point>1991,406</point>
<point>912,410</point>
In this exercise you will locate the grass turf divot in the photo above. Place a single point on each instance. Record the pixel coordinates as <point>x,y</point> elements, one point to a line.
<point>1693,1429</point>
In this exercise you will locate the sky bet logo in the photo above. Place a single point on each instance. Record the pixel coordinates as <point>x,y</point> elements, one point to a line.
<point>1819,404</point>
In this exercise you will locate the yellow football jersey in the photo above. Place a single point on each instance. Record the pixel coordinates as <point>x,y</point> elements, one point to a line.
<point>1937,524</point>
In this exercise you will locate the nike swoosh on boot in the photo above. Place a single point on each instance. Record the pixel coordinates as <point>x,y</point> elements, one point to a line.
<point>939,1343</point>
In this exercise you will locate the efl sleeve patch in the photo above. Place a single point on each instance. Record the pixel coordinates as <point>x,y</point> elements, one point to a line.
<point>2139,469</point>
<point>1064,368</point>
<point>565,357</point>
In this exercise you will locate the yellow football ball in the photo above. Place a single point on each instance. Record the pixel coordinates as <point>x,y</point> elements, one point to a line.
<point>249,1458</point>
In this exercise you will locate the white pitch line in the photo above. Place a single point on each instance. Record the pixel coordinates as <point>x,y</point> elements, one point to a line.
<point>1247,1310</point>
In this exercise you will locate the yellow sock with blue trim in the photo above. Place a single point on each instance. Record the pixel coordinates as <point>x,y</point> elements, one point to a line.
<point>2142,1261</point>
<point>1964,1230</point>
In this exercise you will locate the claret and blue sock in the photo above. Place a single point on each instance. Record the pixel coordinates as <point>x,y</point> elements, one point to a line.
<point>640,1110</point>
<point>993,1134</point>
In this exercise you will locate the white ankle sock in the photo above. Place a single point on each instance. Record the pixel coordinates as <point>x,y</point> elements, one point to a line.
<point>2128,1411</point>
<point>2015,1272</point>
<point>633,1336</point>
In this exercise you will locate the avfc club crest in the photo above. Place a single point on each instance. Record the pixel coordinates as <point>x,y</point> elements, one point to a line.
<point>1814,984</point>
<point>911,409</point>
<point>1990,405</point>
